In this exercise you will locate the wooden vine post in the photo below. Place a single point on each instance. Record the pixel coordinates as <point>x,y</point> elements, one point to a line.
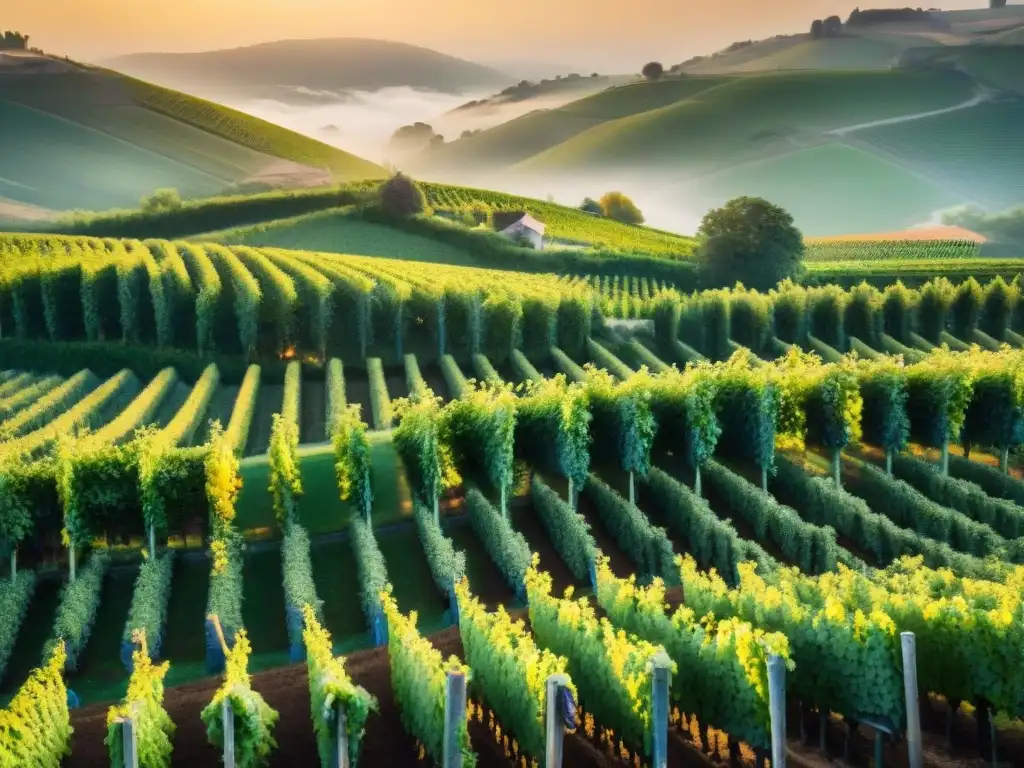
<point>129,740</point>
<point>227,713</point>
<point>777,708</point>
<point>335,711</point>
<point>659,710</point>
<point>454,718</point>
<point>556,688</point>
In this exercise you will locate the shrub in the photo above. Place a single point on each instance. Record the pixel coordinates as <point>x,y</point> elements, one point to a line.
<point>506,546</point>
<point>569,531</point>
<point>148,611</point>
<point>401,197</point>
<point>143,703</point>
<point>620,208</point>
<point>76,613</point>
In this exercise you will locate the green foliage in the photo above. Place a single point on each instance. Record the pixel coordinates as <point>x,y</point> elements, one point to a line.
<point>76,613</point>
<point>995,416</point>
<point>328,680</point>
<point>569,531</point>
<point>15,595</point>
<point>297,578</point>
<point>989,479</point>
<point>50,405</point>
<point>237,432</point>
<point>612,670</point>
<point>898,305</point>
<point>401,197</point>
<point>370,565</point>
<point>380,401</point>
<point>749,239</point>
<point>883,388</point>
<point>790,302</point>
<point>863,316</point>
<point>605,360</point>
<point>618,207</point>
<point>721,668</point>
<point>711,540</point>
<point>453,376</point>
<point>683,405</point>
<point>747,401</point>
<point>254,719</point>
<point>810,547</point>
<point>965,309</point>
<point>750,318</point>
<point>506,546</point>
<point>480,427</point>
<point>279,307</point>
<point>485,370</point>
<point>315,299</point>
<point>997,307</point>
<point>285,472</point>
<point>352,460</point>
<point>934,302</point>
<point>910,509</point>
<point>422,441</point>
<point>335,394</point>
<point>523,368</point>
<point>821,503</point>
<point>623,425</point>
<point>36,725</point>
<point>939,393</point>
<point>148,611</point>
<point>1002,516</point>
<point>647,546</point>
<point>826,310</point>
<point>143,704</point>
<point>509,670</point>
<point>573,371</point>
<point>447,565</point>
<point>554,427</point>
<point>247,295</point>
<point>418,678</point>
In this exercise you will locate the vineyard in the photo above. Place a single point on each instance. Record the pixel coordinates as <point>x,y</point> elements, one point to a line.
<point>742,482</point>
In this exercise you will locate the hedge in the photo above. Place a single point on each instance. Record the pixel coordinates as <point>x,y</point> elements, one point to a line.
<point>992,481</point>
<point>148,611</point>
<point>76,613</point>
<point>447,565</point>
<point>371,567</point>
<point>506,546</point>
<point>569,531</point>
<point>299,587</point>
<point>647,546</point>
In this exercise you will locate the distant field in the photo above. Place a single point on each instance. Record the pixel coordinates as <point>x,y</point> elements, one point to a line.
<point>801,52</point>
<point>825,250</point>
<point>978,150</point>
<point>830,189</point>
<point>750,117</point>
<point>92,139</point>
<point>920,270</point>
<point>569,223</point>
<point>519,139</point>
<point>334,232</point>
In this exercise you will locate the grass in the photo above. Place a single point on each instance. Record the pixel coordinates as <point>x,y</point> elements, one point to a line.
<point>976,150</point>
<point>831,189</point>
<point>750,117</point>
<point>334,231</point>
<point>99,139</point>
<point>53,162</point>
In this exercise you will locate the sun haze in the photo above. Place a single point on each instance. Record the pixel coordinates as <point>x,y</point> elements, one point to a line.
<point>592,33</point>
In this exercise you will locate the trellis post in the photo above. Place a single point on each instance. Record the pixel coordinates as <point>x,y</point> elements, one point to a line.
<point>659,710</point>
<point>454,718</point>
<point>777,708</point>
<point>914,748</point>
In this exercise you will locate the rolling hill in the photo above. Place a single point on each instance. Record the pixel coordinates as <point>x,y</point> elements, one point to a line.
<point>290,69</point>
<point>83,137</point>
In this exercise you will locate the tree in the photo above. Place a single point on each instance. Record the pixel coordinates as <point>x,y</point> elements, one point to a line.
<point>817,29</point>
<point>749,240</point>
<point>832,27</point>
<point>616,205</point>
<point>401,197</point>
<point>591,206</point>
<point>653,70</point>
<point>162,200</point>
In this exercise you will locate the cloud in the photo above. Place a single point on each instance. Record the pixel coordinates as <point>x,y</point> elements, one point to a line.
<point>364,120</point>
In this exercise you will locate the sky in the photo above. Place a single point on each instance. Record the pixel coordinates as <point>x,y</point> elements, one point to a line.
<point>607,35</point>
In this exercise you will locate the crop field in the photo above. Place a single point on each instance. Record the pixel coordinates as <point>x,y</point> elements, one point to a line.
<point>370,479</point>
<point>980,150</point>
<point>567,223</point>
<point>895,249</point>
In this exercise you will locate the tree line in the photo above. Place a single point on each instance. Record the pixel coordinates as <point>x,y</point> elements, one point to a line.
<point>15,41</point>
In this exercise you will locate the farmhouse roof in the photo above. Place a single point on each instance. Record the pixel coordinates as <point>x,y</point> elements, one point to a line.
<point>504,220</point>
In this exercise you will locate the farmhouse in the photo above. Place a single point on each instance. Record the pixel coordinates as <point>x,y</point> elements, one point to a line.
<point>520,224</point>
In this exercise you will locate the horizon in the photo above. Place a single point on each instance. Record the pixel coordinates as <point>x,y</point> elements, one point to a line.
<point>99,30</point>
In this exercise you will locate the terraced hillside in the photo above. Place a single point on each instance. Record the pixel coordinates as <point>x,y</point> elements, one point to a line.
<point>92,138</point>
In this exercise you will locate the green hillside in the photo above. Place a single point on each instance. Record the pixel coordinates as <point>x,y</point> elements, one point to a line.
<point>91,138</point>
<point>519,139</point>
<point>845,199</point>
<point>751,117</point>
<point>793,52</point>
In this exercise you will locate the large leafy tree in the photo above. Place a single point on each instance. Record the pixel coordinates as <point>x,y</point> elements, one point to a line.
<point>619,207</point>
<point>749,240</point>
